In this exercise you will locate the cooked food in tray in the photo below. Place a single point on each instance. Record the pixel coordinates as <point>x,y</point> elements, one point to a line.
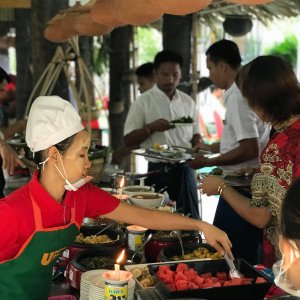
<point>167,151</point>
<point>98,262</point>
<point>183,120</point>
<point>143,276</point>
<point>93,239</point>
<point>200,252</point>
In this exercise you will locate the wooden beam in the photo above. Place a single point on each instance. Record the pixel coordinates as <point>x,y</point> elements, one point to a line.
<point>15,3</point>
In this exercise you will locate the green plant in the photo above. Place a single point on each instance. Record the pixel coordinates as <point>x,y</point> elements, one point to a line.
<point>101,55</point>
<point>148,42</point>
<point>286,49</point>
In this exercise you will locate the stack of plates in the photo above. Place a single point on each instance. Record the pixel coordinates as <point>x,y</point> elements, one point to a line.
<point>85,282</point>
<point>92,286</point>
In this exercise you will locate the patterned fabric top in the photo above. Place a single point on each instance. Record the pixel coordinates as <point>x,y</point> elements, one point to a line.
<point>279,166</point>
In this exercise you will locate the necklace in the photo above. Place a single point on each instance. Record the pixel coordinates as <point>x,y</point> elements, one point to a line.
<point>285,124</point>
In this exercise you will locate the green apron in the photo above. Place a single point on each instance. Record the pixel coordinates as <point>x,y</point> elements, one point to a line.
<point>28,275</point>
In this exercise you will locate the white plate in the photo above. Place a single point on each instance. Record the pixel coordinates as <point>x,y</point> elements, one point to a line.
<point>88,274</point>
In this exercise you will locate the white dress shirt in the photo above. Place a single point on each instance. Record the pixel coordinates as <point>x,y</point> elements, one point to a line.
<point>155,104</point>
<point>241,123</point>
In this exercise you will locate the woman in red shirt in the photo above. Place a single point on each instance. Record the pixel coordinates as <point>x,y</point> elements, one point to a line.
<point>42,218</point>
<point>273,92</point>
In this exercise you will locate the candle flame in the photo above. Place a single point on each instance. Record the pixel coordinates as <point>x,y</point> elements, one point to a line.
<point>121,256</point>
<point>122,182</point>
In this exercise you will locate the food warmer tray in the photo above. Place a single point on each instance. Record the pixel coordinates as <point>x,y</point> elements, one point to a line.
<point>147,152</point>
<point>237,292</point>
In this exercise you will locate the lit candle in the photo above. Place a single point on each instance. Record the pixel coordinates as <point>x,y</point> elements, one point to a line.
<point>117,272</point>
<point>117,265</point>
<point>122,183</point>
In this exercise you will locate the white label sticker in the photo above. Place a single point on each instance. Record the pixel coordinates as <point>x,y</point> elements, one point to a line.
<point>66,253</point>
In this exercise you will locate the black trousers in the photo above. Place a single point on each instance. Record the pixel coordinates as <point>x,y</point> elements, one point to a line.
<point>181,185</point>
<point>246,238</point>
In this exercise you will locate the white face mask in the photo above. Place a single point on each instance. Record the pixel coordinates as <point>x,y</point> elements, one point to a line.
<point>79,183</point>
<point>72,186</point>
<point>280,271</point>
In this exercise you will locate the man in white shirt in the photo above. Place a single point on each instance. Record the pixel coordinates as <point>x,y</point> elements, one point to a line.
<point>148,123</point>
<point>244,136</point>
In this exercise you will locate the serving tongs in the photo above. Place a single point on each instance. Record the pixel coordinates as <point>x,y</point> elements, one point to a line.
<point>233,272</point>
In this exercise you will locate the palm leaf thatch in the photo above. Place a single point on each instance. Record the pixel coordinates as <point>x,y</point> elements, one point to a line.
<point>265,13</point>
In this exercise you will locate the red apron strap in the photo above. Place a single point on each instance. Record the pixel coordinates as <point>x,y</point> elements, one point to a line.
<point>37,215</point>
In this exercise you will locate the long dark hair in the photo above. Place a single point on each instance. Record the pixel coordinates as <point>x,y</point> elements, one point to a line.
<point>270,84</point>
<point>290,212</point>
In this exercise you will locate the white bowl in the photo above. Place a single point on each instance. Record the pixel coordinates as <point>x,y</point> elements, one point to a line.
<point>135,189</point>
<point>147,200</point>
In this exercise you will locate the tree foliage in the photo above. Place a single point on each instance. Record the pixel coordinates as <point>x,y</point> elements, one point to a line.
<point>287,49</point>
<point>148,42</point>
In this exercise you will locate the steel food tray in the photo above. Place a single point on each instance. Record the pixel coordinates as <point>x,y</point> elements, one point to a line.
<point>162,155</point>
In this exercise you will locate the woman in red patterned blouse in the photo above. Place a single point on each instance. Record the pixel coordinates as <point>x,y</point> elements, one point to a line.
<point>273,92</point>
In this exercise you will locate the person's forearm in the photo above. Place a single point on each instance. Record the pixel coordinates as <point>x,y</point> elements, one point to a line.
<point>137,136</point>
<point>144,217</point>
<point>258,216</point>
<point>232,157</point>
<point>215,148</point>
<point>159,220</point>
<point>196,139</point>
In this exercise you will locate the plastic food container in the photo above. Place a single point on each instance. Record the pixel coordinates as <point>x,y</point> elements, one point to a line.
<point>135,237</point>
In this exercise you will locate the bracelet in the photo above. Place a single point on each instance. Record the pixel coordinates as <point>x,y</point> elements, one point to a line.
<point>222,187</point>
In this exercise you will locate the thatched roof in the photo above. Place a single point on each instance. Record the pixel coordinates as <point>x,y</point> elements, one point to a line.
<point>277,9</point>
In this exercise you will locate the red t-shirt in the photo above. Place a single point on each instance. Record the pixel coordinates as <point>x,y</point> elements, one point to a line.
<point>16,212</point>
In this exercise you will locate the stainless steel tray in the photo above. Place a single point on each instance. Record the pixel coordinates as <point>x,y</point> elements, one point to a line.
<point>161,156</point>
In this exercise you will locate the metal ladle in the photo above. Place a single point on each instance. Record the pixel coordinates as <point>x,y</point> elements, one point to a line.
<point>142,246</point>
<point>177,233</point>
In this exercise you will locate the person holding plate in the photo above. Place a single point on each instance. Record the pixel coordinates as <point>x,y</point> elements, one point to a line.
<point>39,220</point>
<point>244,136</point>
<point>149,122</point>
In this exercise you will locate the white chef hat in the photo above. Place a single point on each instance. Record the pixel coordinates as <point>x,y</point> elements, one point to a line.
<point>51,120</point>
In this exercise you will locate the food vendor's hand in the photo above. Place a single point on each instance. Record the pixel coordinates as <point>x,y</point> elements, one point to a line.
<point>160,125</point>
<point>209,185</point>
<point>201,146</point>
<point>217,238</point>
<point>10,158</point>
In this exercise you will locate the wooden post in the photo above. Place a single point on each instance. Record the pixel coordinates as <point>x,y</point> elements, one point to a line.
<point>195,75</point>
<point>133,81</point>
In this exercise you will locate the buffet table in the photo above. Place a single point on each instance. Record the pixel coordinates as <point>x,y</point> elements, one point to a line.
<point>61,286</point>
